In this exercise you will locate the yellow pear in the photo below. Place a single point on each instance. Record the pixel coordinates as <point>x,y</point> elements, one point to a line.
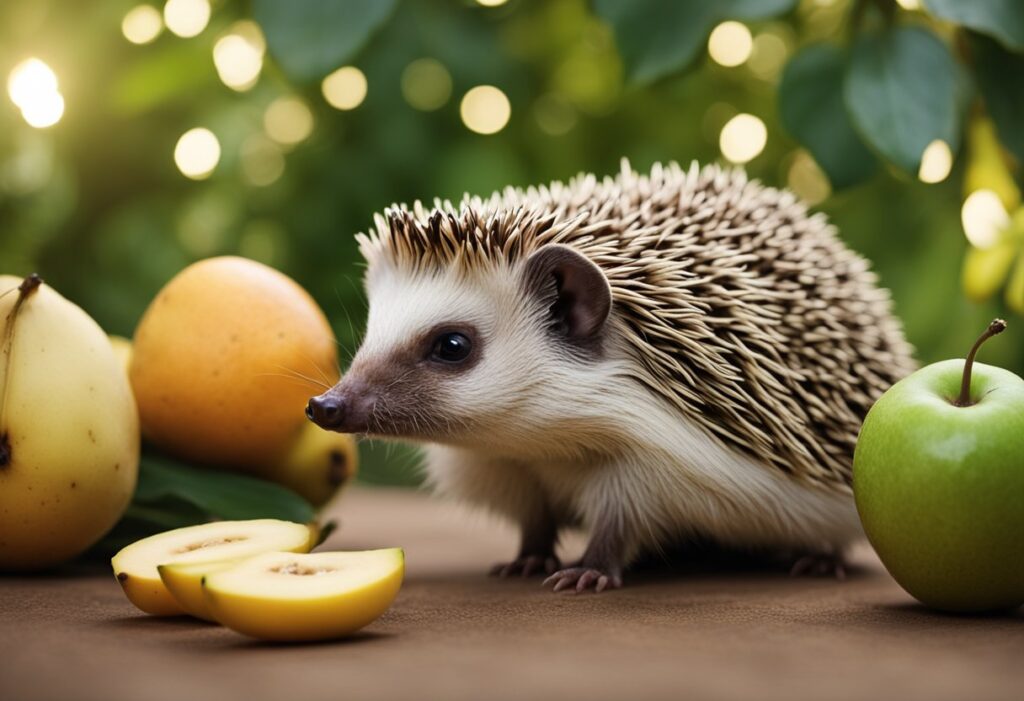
<point>316,596</point>
<point>123,350</point>
<point>317,465</point>
<point>69,430</point>
<point>225,359</point>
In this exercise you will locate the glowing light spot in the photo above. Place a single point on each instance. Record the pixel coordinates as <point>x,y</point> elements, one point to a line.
<point>807,180</point>
<point>142,24</point>
<point>909,4</point>
<point>28,80</point>
<point>554,114</point>
<point>32,86</point>
<point>768,55</point>
<point>984,217</point>
<point>936,162</point>
<point>345,88</point>
<point>197,153</point>
<point>45,111</point>
<point>264,240</point>
<point>238,55</point>
<point>485,109</point>
<point>288,121</point>
<point>730,44</point>
<point>426,84</point>
<point>491,3</point>
<point>262,161</point>
<point>743,137</point>
<point>187,18</point>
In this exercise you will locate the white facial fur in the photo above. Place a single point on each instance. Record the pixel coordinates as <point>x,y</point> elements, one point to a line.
<point>520,398</point>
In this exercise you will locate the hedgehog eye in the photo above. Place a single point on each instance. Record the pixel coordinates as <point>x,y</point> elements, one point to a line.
<point>451,347</point>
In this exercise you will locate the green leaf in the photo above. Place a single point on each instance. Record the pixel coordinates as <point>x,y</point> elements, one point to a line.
<point>904,90</point>
<point>310,38</point>
<point>755,9</point>
<point>812,110</point>
<point>1000,77</point>
<point>1002,19</point>
<point>220,495</point>
<point>658,37</point>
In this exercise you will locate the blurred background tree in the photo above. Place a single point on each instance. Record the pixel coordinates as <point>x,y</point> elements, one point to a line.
<point>138,138</point>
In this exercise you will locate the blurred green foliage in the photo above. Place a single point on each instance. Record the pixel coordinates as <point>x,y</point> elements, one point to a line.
<point>97,205</point>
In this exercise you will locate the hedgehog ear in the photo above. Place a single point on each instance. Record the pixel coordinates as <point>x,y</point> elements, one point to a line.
<point>574,289</point>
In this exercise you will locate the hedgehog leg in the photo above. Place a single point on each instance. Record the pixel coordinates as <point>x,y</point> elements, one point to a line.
<point>536,551</point>
<point>824,564</point>
<point>600,567</point>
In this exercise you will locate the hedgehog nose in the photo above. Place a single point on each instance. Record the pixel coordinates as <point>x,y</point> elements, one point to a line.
<point>326,411</point>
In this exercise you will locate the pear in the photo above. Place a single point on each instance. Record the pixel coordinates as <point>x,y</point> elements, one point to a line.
<point>69,429</point>
<point>225,359</point>
<point>123,350</point>
<point>317,464</point>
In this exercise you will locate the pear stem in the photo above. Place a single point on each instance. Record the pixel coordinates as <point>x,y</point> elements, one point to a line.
<point>994,329</point>
<point>29,285</point>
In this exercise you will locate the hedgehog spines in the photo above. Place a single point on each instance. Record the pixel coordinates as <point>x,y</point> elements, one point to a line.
<point>739,308</point>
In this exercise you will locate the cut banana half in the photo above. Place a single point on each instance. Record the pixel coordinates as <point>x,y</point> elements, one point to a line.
<point>136,566</point>
<point>293,597</point>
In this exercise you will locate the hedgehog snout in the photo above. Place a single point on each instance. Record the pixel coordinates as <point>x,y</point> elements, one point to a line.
<point>346,408</point>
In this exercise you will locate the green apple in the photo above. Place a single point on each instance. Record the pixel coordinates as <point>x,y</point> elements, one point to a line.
<point>938,477</point>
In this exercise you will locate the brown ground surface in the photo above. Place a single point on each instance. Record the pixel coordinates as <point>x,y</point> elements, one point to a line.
<point>455,634</point>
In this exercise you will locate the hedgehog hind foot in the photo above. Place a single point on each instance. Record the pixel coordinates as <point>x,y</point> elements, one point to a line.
<point>831,565</point>
<point>581,579</point>
<point>526,566</point>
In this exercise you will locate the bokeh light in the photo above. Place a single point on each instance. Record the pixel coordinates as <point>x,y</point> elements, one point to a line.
<point>197,153</point>
<point>768,55</point>
<point>32,86</point>
<point>345,88</point>
<point>142,24</point>
<point>936,162</point>
<point>485,109</point>
<point>491,3</point>
<point>806,178</point>
<point>205,220</point>
<point>743,138</point>
<point>238,55</point>
<point>554,114</point>
<point>288,121</point>
<point>730,44</point>
<point>29,79</point>
<point>187,18</point>
<point>426,84</point>
<point>909,4</point>
<point>264,240</point>
<point>984,217</point>
<point>262,160</point>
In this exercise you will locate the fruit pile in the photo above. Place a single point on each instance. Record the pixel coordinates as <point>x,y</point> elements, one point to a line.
<point>218,376</point>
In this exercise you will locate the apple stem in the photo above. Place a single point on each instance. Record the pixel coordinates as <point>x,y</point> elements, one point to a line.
<point>994,329</point>
<point>5,451</point>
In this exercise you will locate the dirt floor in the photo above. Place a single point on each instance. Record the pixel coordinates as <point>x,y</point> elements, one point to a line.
<point>455,634</point>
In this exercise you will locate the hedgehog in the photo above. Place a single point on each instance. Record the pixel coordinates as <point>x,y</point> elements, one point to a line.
<point>653,358</point>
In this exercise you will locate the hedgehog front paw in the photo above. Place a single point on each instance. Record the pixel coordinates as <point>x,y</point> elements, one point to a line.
<point>830,565</point>
<point>580,579</point>
<point>526,566</point>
